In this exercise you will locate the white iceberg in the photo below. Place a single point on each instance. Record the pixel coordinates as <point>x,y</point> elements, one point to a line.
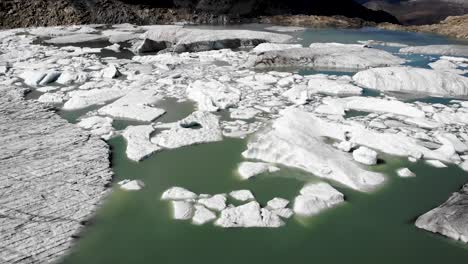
<point>316,197</point>
<point>139,145</point>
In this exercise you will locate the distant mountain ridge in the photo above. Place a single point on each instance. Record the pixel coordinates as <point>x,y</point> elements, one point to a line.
<point>419,12</point>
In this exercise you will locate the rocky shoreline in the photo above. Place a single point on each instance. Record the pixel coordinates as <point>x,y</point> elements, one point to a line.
<point>453,26</point>
<point>53,177</point>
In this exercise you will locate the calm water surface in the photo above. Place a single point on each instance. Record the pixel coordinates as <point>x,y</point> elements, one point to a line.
<point>136,227</point>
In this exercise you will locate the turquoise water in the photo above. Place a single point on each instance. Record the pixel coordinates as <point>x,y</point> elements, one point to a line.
<point>136,227</point>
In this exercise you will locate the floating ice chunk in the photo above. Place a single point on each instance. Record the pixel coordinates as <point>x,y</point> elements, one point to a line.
<point>345,146</point>
<point>242,195</point>
<point>369,104</point>
<point>365,156</point>
<point>315,198</point>
<point>447,66</point>
<point>76,38</point>
<point>451,118</point>
<point>299,94</point>
<point>274,46</point>
<point>286,81</point>
<point>453,50</point>
<point>297,140</point>
<point>452,139</point>
<point>131,185</point>
<point>111,72</point>
<point>84,98</point>
<point>448,219</point>
<point>326,85</point>
<point>182,210</point>
<point>405,173</point>
<point>50,77</point>
<point>249,169</point>
<point>216,202</point>
<point>246,113</point>
<point>415,80</point>
<point>436,163</point>
<point>277,203</point>
<point>100,126</point>
<point>114,47</point>
<point>135,105</point>
<point>53,98</point>
<point>265,78</point>
<point>248,215</point>
<point>191,40</point>
<point>68,77</point>
<point>33,78</point>
<point>285,28</point>
<point>328,55</point>
<point>202,215</point>
<point>283,212</point>
<point>381,43</point>
<point>139,145</point>
<point>178,193</point>
<point>212,95</point>
<point>199,127</point>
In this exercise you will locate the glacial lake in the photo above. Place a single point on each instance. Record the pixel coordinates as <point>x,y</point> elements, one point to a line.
<point>378,227</point>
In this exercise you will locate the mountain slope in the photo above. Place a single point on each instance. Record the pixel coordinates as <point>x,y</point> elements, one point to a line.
<point>22,13</point>
<point>418,12</point>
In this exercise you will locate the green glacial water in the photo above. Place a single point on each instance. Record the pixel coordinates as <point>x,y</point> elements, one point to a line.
<point>370,228</point>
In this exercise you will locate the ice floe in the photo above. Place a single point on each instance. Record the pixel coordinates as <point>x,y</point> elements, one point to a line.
<point>405,173</point>
<point>242,195</point>
<point>131,185</point>
<point>98,125</point>
<point>452,50</point>
<point>415,80</point>
<point>250,169</point>
<point>365,156</point>
<point>199,127</point>
<point>296,140</point>
<point>316,197</point>
<point>136,105</point>
<point>139,145</point>
<point>248,215</point>
<point>329,55</point>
